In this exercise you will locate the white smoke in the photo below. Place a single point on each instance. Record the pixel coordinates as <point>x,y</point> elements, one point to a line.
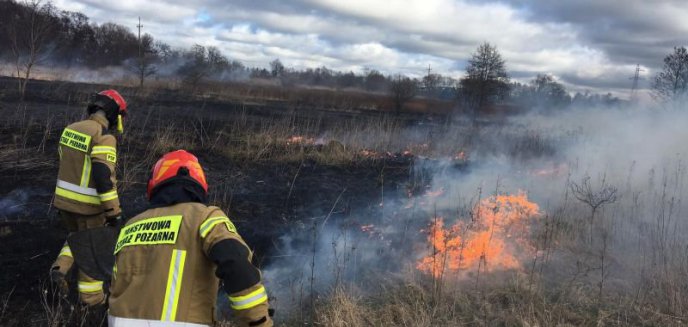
<point>641,152</point>
<point>14,203</point>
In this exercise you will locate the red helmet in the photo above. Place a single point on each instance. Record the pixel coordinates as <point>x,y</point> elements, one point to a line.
<point>113,104</point>
<point>119,100</point>
<point>168,167</point>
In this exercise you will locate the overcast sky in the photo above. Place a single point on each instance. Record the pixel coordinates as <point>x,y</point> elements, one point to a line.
<point>587,44</point>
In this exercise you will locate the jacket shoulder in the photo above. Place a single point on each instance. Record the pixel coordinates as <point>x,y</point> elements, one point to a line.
<point>87,126</point>
<point>105,139</point>
<point>215,211</point>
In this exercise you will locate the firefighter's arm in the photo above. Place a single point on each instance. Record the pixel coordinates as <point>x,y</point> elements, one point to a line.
<point>241,279</point>
<point>103,159</point>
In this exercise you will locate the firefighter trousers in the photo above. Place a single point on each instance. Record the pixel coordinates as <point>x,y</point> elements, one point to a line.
<point>90,290</point>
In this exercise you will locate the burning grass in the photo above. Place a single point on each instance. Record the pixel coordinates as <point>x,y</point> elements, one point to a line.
<point>497,237</point>
<point>342,201</point>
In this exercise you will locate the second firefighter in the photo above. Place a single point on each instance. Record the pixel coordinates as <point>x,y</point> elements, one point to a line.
<point>171,258</point>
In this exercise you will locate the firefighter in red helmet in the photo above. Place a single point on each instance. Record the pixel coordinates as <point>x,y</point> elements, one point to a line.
<point>86,191</point>
<point>170,259</point>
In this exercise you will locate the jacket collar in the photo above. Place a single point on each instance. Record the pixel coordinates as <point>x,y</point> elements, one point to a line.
<point>100,119</point>
<point>177,191</point>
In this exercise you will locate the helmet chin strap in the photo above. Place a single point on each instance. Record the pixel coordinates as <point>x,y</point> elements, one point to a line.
<point>120,125</point>
<point>100,113</point>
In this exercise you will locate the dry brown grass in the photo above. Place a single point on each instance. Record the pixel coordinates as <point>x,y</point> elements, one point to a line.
<point>513,303</point>
<point>657,293</point>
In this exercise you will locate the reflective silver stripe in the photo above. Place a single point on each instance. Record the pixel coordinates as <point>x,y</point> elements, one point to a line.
<point>66,251</point>
<point>76,188</point>
<point>174,283</point>
<point>132,322</point>
<point>250,300</point>
<point>103,149</point>
<point>108,196</point>
<point>90,287</point>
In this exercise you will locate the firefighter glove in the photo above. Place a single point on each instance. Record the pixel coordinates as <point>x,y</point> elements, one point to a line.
<point>59,281</point>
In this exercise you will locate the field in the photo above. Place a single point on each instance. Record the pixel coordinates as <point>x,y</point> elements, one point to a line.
<point>365,218</point>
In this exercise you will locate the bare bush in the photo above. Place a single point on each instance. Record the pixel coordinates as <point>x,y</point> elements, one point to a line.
<point>595,199</point>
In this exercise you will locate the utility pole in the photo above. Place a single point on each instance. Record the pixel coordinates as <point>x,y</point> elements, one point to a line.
<point>429,84</point>
<point>636,77</point>
<point>142,70</point>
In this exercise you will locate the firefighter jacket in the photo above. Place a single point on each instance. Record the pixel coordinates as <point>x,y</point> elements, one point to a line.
<point>169,262</point>
<point>86,182</point>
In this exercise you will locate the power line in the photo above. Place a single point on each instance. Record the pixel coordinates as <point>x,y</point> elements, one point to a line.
<point>636,78</point>
<point>139,26</point>
<point>141,65</point>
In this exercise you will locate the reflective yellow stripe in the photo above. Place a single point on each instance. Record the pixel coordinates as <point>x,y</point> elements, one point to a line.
<point>86,172</point>
<point>100,149</point>
<point>174,285</point>
<point>249,300</point>
<point>114,271</point>
<point>90,287</point>
<point>75,140</point>
<point>208,225</point>
<point>120,125</point>
<point>59,151</point>
<point>66,251</point>
<point>110,152</point>
<point>108,196</point>
<point>76,196</point>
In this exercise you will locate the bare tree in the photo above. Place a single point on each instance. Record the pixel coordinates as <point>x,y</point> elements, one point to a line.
<point>402,89</point>
<point>672,81</point>
<point>549,89</point>
<point>431,84</point>
<point>547,92</point>
<point>29,32</point>
<point>374,80</point>
<point>486,78</point>
<point>147,55</point>
<point>276,68</point>
<point>202,63</point>
<point>595,199</point>
<point>144,66</point>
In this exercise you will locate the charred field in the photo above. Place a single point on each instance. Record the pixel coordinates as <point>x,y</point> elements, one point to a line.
<point>267,174</point>
<point>361,218</point>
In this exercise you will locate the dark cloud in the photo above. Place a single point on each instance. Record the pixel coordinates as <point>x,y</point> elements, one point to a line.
<point>629,31</point>
<point>585,43</point>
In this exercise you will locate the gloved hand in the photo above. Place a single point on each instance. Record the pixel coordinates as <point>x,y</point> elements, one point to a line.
<point>59,282</point>
<point>114,221</point>
<point>265,321</point>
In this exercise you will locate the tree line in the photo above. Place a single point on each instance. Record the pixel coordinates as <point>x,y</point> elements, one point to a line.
<point>38,33</point>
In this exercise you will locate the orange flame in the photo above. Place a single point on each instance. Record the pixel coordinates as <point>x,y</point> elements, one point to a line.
<point>494,241</point>
<point>434,194</point>
<point>300,140</point>
<point>556,170</point>
<point>461,156</point>
<point>368,228</point>
<point>373,232</point>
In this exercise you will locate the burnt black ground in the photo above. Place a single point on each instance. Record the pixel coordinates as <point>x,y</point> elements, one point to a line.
<point>257,197</point>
